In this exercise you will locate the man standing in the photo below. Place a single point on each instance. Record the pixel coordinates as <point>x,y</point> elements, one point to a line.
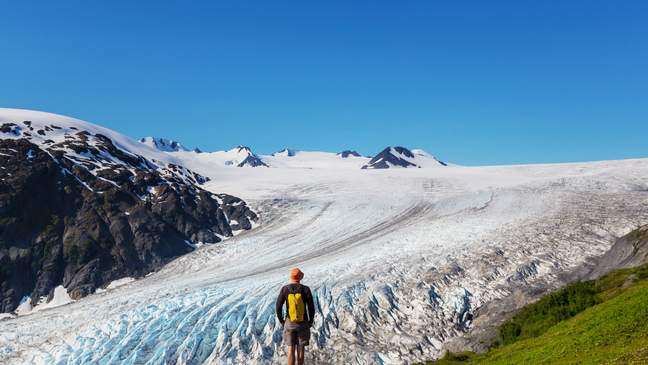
<point>298,321</point>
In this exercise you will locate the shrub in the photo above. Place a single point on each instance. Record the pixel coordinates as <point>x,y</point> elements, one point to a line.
<point>538,317</point>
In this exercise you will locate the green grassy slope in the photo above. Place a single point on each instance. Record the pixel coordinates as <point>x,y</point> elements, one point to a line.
<point>598,322</point>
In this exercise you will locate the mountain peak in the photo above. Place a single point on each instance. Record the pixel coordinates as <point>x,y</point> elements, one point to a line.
<point>286,152</point>
<point>402,157</point>
<point>348,153</point>
<point>242,156</point>
<point>241,147</point>
<point>166,145</point>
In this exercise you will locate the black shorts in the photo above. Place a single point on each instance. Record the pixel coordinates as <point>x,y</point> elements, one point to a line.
<point>296,333</point>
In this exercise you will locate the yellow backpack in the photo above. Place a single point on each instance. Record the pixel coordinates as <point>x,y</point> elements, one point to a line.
<point>295,306</point>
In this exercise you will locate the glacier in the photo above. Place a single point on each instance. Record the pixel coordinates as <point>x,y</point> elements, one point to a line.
<point>400,262</point>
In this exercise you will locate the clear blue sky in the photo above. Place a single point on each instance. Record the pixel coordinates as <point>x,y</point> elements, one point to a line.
<point>473,82</point>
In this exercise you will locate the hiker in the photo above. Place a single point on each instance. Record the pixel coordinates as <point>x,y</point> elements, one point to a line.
<point>298,321</point>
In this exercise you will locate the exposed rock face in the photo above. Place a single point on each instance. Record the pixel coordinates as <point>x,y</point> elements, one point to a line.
<point>628,251</point>
<point>348,153</point>
<point>81,212</point>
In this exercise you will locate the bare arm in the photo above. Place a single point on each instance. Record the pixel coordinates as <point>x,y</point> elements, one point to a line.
<point>311,307</point>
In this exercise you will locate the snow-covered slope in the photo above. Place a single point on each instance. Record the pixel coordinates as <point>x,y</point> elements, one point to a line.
<point>207,161</point>
<point>392,157</point>
<point>400,261</point>
<point>55,127</point>
<point>314,160</point>
<point>240,156</point>
<point>166,145</point>
<point>88,144</point>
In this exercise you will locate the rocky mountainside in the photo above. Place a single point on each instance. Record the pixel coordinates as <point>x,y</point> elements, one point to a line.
<point>628,251</point>
<point>398,156</point>
<point>79,209</point>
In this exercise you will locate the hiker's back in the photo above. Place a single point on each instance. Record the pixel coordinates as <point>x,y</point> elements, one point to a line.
<point>295,299</point>
<point>300,311</point>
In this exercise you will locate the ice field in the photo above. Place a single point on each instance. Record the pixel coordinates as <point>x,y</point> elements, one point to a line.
<point>400,260</point>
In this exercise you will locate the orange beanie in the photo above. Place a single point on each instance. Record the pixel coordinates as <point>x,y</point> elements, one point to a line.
<point>296,274</point>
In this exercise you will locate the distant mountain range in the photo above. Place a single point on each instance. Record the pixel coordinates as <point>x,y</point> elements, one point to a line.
<point>242,156</point>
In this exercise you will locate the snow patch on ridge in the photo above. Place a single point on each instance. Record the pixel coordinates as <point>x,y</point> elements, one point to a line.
<point>60,297</point>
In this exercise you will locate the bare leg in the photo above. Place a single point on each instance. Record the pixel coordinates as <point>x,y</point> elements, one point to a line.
<point>291,355</point>
<point>300,354</point>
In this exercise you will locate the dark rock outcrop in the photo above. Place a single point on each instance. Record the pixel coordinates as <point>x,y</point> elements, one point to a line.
<point>82,212</point>
<point>347,153</point>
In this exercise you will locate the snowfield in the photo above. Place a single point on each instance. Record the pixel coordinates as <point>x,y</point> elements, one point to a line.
<point>400,261</point>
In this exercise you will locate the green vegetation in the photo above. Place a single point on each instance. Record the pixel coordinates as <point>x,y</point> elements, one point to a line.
<point>108,197</point>
<point>7,226</point>
<point>604,321</point>
<point>73,254</point>
<point>81,251</point>
<point>640,234</point>
<point>536,319</point>
<point>7,221</point>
